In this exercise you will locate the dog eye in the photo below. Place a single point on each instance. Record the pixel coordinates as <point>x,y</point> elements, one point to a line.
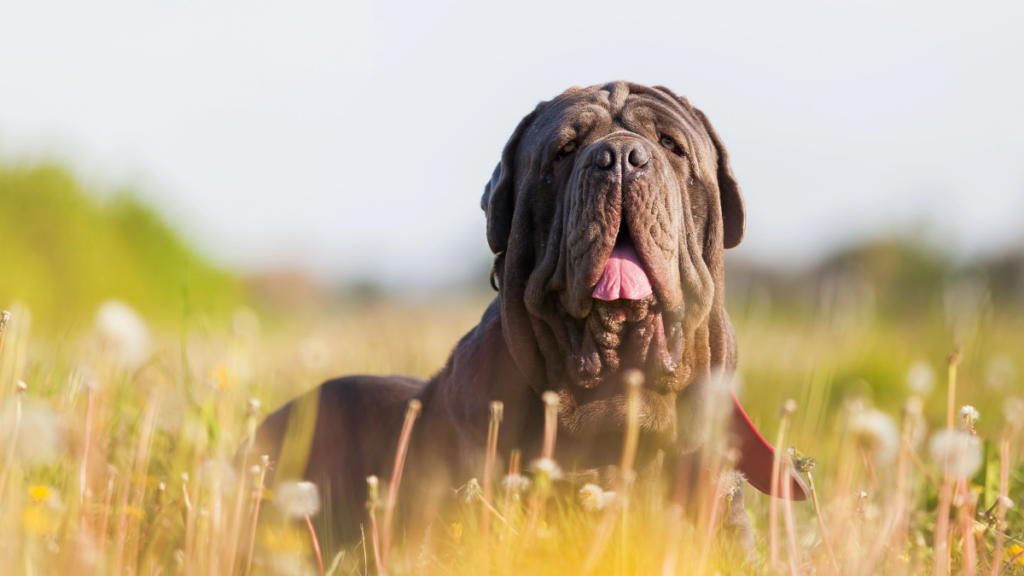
<point>566,150</point>
<point>671,146</point>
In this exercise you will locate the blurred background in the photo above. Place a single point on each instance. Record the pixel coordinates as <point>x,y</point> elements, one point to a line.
<point>189,158</point>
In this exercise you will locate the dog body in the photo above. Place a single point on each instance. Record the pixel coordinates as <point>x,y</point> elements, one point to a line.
<point>608,214</point>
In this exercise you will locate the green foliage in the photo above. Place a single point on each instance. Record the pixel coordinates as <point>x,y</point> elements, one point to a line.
<point>63,252</point>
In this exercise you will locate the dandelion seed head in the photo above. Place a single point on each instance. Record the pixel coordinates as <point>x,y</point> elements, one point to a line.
<point>921,378</point>
<point>875,433</point>
<point>730,483</point>
<point>469,492</point>
<point>86,378</point>
<point>218,475</point>
<point>297,499</point>
<point>42,437</point>
<point>550,399</point>
<point>593,497</point>
<point>516,483</point>
<point>548,467</point>
<point>957,453</point>
<point>124,333</point>
<point>969,415</point>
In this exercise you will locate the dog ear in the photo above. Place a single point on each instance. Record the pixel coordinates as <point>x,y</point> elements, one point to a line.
<point>734,216</point>
<point>498,201</point>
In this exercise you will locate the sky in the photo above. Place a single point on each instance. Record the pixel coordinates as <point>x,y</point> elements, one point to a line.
<point>352,140</point>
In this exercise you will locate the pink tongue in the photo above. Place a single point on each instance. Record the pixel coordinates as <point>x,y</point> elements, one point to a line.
<point>623,276</point>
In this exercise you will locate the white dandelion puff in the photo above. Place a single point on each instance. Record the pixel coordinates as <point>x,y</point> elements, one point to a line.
<point>124,333</point>
<point>730,483</point>
<point>876,434</point>
<point>921,378</point>
<point>297,499</point>
<point>218,475</point>
<point>957,453</point>
<point>593,497</point>
<point>546,466</point>
<point>969,415</point>
<point>516,483</point>
<point>1013,411</point>
<point>469,492</point>
<point>41,436</point>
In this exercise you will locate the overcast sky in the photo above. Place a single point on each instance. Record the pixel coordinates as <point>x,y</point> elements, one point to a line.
<point>354,139</point>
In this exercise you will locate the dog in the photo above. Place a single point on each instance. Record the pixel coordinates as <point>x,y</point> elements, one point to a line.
<point>608,214</point>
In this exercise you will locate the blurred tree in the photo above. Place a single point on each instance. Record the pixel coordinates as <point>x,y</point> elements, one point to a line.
<point>63,252</point>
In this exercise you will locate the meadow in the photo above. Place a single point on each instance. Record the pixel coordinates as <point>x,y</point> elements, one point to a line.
<point>117,457</point>
<point>130,380</point>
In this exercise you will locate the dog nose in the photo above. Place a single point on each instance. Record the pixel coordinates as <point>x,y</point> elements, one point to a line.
<point>631,154</point>
<point>605,157</point>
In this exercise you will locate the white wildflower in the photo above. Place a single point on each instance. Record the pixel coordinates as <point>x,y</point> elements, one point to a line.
<point>957,453</point>
<point>730,483</point>
<point>516,483</point>
<point>297,499</point>
<point>547,466</point>
<point>218,475</point>
<point>592,497</point>
<point>470,492</point>
<point>124,333</point>
<point>876,434</point>
<point>969,415</point>
<point>41,434</point>
<point>1004,502</point>
<point>86,379</point>
<point>1013,411</point>
<point>921,378</point>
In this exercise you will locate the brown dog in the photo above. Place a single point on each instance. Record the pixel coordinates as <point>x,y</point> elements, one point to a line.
<point>608,215</point>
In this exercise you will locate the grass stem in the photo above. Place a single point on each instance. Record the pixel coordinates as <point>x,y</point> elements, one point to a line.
<point>396,478</point>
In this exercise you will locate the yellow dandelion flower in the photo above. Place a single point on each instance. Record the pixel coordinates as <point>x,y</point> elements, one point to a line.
<point>38,519</point>
<point>283,539</point>
<point>1014,551</point>
<point>134,511</point>
<point>221,378</point>
<point>456,530</point>
<point>40,493</point>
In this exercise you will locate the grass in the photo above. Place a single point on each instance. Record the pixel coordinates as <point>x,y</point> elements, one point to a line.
<point>107,468</point>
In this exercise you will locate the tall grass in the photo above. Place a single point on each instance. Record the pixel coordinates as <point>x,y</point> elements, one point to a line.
<point>127,469</point>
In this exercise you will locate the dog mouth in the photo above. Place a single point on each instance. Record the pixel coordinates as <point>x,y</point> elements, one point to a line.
<point>626,327</point>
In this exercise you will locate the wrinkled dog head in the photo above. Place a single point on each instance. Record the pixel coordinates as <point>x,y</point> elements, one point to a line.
<point>609,213</point>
